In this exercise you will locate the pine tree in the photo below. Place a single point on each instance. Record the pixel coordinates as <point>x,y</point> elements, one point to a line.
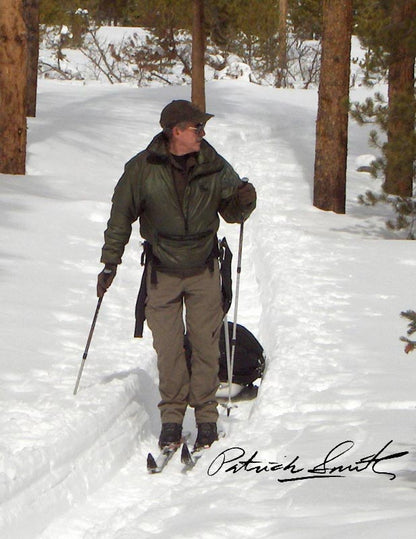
<point>164,16</point>
<point>198,54</point>
<point>400,150</point>
<point>13,74</point>
<point>332,121</point>
<point>281,79</point>
<point>31,15</point>
<point>388,29</point>
<point>109,12</point>
<point>306,18</point>
<point>246,28</point>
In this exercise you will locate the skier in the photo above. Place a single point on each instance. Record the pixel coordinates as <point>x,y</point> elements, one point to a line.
<point>177,187</point>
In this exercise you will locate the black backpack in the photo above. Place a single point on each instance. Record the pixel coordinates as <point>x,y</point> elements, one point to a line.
<point>249,361</point>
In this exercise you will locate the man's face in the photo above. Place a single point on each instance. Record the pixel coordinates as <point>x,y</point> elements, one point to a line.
<point>187,138</point>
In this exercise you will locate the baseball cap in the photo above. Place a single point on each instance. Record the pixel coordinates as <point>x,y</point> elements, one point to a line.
<point>179,111</point>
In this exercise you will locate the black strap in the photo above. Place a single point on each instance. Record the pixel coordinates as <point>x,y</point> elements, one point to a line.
<point>225,257</point>
<point>213,255</point>
<point>146,259</point>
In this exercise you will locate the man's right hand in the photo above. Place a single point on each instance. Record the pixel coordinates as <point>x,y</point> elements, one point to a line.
<point>105,278</point>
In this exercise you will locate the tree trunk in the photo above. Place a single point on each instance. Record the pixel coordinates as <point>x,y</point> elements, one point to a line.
<point>281,79</point>
<point>198,55</point>
<point>31,13</point>
<point>13,72</point>
<point>400,150</point>
<point>332,120</point>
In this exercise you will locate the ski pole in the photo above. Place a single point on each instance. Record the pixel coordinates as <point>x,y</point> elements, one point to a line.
<point>237,292</point>
<point>227,352</point>
<point>234,334</point>
<point>84,357</point>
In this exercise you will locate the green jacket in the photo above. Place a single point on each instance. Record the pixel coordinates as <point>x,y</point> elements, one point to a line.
<point>181,235</point>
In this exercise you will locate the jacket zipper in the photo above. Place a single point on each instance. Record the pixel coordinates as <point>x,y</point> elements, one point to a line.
<point>185,215</point>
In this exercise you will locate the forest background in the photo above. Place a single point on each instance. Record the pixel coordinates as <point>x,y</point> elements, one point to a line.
<point>282,44</point>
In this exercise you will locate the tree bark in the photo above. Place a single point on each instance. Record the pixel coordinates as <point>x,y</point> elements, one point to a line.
<point>198,55</point>
<point>31,14</point>
<point>281,79</point>
<point>332,120</point>
<point>13,72</point>
<point>400,150</point>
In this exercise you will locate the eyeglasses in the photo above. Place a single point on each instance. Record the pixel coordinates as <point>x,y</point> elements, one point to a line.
<point>198,128</point>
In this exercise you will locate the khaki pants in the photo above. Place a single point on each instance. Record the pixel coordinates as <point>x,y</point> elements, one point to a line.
<point>201,297</point>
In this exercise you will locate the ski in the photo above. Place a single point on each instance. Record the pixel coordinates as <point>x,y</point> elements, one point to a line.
<point>157,465</point>
<point>188,458</point>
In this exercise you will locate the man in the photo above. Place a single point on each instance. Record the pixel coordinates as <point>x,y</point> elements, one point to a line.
<point>177,187</point>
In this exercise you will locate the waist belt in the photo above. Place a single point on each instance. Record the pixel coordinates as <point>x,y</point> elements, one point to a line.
<point>185,237</point>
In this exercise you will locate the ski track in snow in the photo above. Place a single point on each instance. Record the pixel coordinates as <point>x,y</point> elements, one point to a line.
<point>314,290</point>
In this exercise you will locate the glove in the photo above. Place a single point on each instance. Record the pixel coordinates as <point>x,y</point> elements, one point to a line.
<point>105,278</point>
<point>246,194</point>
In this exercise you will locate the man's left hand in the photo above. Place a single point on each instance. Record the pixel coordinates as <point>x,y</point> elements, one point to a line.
<point>246,194</point>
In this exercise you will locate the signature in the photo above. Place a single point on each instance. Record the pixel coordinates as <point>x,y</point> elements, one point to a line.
<point>334,464</point>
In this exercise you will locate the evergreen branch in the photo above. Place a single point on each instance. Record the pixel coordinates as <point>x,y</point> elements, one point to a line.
<point>410,315</point>
<point>410,346</point>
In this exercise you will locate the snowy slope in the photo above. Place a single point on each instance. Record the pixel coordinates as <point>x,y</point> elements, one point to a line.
<point>322,293</point>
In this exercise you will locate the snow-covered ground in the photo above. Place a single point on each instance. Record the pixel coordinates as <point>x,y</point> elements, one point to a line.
<point>322,292</point>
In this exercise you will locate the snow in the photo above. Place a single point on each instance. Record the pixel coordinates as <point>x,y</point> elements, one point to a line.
<point>322,293</point>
